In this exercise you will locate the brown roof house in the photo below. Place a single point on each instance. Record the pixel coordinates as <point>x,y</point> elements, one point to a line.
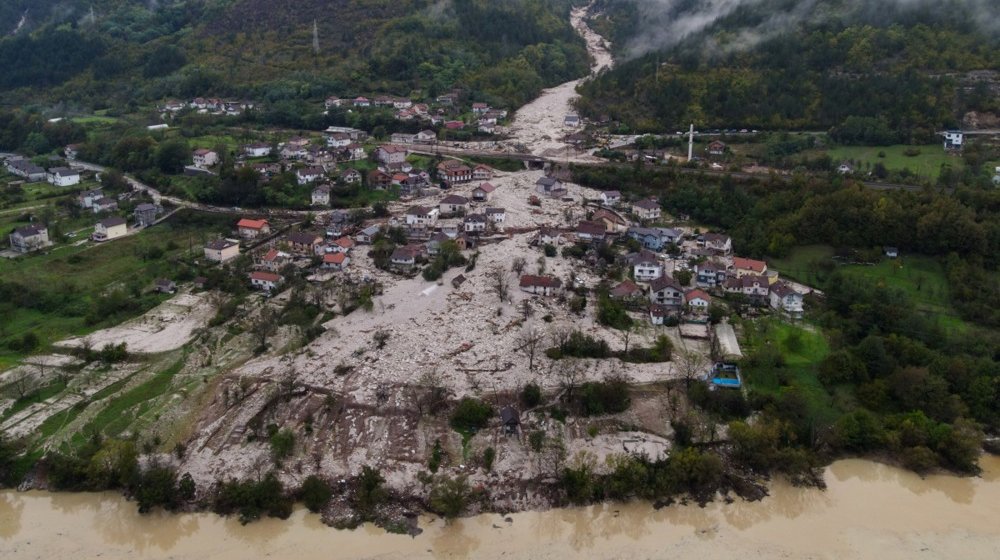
<point>541,285</point>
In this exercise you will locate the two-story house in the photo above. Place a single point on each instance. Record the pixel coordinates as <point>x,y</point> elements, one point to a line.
<point>646,266</point>
<point>29,238</point>
<point>667,292</point>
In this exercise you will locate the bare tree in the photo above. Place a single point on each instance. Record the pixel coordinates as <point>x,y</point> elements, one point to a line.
<point>541,265</point>
<point>570,372</point>
<point>22,384</point>
<point>529,341</point>
<point>526,308</point>
<point>500,283</point>
<point>518,264</point>
<point>690,365</point>
<point>264,326</point>
<point>560,336</point>
<point>430,394</point>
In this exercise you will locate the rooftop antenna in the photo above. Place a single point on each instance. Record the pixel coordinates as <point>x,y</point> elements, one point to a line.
<point>315,38</point>
<point>691,142</point>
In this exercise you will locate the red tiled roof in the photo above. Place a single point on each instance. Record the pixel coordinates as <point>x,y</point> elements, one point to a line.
<point>529,280</point>
<point>749,264</point>
<point>262,276</point>
<point>251,224</point>
<point>334,258</point>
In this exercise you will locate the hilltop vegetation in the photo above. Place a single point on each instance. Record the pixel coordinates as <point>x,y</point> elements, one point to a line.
<point>504,53</point>
<point>894,77</point>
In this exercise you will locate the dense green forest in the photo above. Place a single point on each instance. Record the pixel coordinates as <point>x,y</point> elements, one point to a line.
<point>128,54</point>
<point>889,79</point>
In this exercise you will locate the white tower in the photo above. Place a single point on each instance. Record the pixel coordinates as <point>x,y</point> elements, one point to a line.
<point>691,143</point>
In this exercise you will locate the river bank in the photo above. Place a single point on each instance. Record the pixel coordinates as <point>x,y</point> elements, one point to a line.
<point>869,510</point>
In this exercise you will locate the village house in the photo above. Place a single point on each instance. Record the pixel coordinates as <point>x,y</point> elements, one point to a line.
<point>550,186</point>
<point>613,221</point>
<point>306,175</point>
<point>390,155</point>
<point>571,119</point>
<point>266,170</point>
<point>953,140</point>
<point>104,204</point>
<point>541,285</point>
<point>647,209</point>
<point>659,313</point>
<point>482,173</point>
<point>333,101</point>
<point>355,152</point>
<point>454,172</point>
<point>405,257</point>
<point>222,250</point>
<point>475,223</point>
<point>891,252</point>
<point>252,229</point>
<point>63,177</point>
<point>25,169</point>
<point>625,290</point>
<point>339,140</point>
<point>710,274</point>
<point>548,236</point>
<point>744,267</point>
<point>304,243</point>
<point>483,192</point>
<point>362,102</point>
<point>454,125</point>
<point>367,235</point>
<point>273,260</point>
<point>321,195</point>
<point>164,286</point>
<point>298,142</point>
<point>266,281</point>
<point>453,204</point>
<point>86,199</point>
<point>110,228</point>
<point>422,216</point>
<point>205,158</point>
<point>341,245</point>
<point>486,127</point>
<point>646,266</point>
<point>698,301</point>
<point>656,238</point>
<point>351,176</point>
<point>590,232</point>
<point>256,150</point>
<point>716,242</point>
<point>480,108</point>
<point>784,298</point>
<point>666,291</point>
<point>402,138</point>
<point>336,261</point>
<point>611,197</point>
<point>29,238</point>
<point>425,137</point>
<point>71,151</point>
<point>845,168</point>
<point>754,287</point>
<point>716,148</point>
<point>496,215</point>
<point>145,214</point>
<point>379,180</point>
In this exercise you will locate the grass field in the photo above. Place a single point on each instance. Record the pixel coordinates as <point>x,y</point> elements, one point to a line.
<point>927,164</point>
<point>802,347</point>
<point>77,275</point>
<point>95,120</point>
<point>922,278</point>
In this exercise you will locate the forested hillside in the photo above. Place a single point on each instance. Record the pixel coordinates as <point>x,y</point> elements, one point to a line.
<point>883,72</point>
<point>129,52</point>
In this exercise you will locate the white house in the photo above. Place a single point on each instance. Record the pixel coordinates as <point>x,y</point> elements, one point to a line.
<point>63,177</point>
<point>483,192</point>
<point>953,140</point>
<point>784,298</point>
<point>263,280</point>
<point>339,140</point>
<point>496,215</point>
<point>645,266</point>
<point>475,223</point>
<point>257,150</point>
<point>540,285</point>
<point>453,204</point>
<point>222,250</point>
<point>321,195</point>
<point>86,199</point>
<point>698,300</point>
<point>307,175</point>
<point>647,209</point>
<point>29,238</point>
<point>205,158</point>
<point>666,291</point>
<point>391,155</point>
<point>422,216</point>
<point>611,197</point>
<point>110,228</point>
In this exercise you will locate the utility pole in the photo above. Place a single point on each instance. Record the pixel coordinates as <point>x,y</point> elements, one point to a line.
<point>315,38</point>
<point>691,143</point>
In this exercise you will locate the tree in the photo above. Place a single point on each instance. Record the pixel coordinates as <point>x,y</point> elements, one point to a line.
<point>529,341</point>
<point>265,325</point>
<point>449,497</point>
<point>690,365</point>
<point>683,276</point>
<point>499,283</point>
<point>518,264</point>
<point>172,156</point>
<point>315,493</point>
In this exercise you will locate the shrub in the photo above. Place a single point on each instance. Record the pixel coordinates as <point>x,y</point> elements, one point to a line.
<point>436,456</point>
<point>550,250</point>
<point>536,439</point>
<point>315,493</point>
<point>282,444</point>
<point>471,415</point>
<point>531,395</point>
<point>369,493</point>
<point>608,397</point>
<point>251,499</point>
<point>489,455</point>
<point>449,497</point>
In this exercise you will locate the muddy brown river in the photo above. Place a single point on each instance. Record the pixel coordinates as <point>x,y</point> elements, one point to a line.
<point>868,511</point>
